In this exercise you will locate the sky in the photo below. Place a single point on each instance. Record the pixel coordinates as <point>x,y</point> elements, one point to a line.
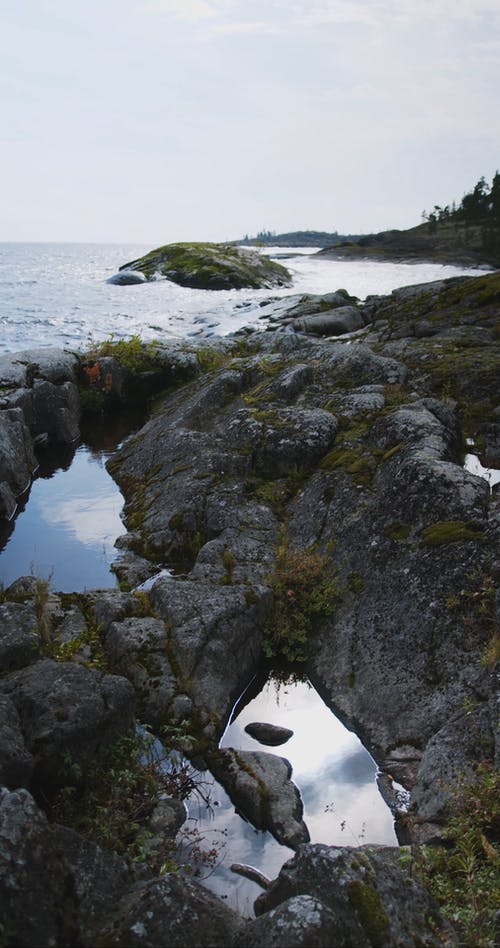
<point>151,121</point>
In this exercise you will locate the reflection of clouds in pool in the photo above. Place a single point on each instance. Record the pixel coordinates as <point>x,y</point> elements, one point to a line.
<point>334,772</point>
<point>91,521</point>
<point>352,771</point>
<point>87,504</point>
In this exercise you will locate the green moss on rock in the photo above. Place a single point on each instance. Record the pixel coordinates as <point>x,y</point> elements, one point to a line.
<point>449,531</point>
<point>211,267</point>
<point>368,904</point>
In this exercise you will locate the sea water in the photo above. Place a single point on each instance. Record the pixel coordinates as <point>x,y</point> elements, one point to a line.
<point>57,294</point>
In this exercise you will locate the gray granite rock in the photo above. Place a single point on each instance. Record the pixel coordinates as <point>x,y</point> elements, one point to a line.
<point>260,785</point>
<point>67,712</point>
<point>373,900</point>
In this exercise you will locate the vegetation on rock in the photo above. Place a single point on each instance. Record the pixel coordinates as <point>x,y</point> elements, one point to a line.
<point>468,233</point>
<point>305,591</point>
<point>464,875</point>
<point>211,267</point>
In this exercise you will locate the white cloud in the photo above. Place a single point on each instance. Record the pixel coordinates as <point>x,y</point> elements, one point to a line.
<point>187,9</point>
<point>260,27</point>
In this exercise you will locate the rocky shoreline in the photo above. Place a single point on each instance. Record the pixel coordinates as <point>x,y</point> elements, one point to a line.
<point>329,447</point>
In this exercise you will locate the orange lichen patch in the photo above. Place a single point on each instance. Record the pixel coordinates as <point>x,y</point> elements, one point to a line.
<point>93,372</point>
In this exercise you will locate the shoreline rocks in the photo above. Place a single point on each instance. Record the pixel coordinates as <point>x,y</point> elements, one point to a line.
<point>352,449</point>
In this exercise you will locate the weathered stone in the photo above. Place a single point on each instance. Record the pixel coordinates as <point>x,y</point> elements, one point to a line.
<point>127,278</point>
<point>137,648</point>
<point>56,888</point>
<point>215,637</point>
<point>19,638</point>
<point>67,711</point>
<point>299,921</point>
<point>260,785</point>
<point>17,459</point>
<point>171,911</point>
<point>450,757</point>
<point>373,900</point>
<point>56,411</point>
<point>284,438</point>
<point>167,817</point>
<point>270,734</point>
<point>39,904</point>
<point>333,322</point>
<point>16,763</point>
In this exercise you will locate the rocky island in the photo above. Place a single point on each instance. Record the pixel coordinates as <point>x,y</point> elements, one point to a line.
<point>205,267</point>
<point>306,488</point>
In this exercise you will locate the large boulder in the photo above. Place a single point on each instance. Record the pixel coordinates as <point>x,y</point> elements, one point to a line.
<point>171,911</point>
<point>39,904</point>
<point>210,267</point>
<point>299,922</point>
<point>56,888</point>
<point>375,903</point>
<point>137,648</point>
<point>68,713</point>
<point>334,322</point>
<point>17,458</point>
<point>56,411</point>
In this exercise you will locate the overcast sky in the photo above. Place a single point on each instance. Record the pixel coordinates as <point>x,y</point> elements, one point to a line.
<point>159,120</point>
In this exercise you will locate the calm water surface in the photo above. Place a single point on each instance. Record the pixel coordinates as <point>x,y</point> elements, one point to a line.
<point>334,772</point>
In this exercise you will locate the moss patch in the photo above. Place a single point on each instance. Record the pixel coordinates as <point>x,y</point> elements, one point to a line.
<point>368,904</point>
<point>449,531</point>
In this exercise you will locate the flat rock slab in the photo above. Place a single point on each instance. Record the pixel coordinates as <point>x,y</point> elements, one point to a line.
<point>270,734</point>
<point>260,785</point>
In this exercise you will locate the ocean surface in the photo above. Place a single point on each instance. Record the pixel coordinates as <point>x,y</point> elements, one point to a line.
<point>57,294</point>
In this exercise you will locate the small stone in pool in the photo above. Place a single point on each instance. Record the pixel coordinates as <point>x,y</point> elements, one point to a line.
<point>270,734</point>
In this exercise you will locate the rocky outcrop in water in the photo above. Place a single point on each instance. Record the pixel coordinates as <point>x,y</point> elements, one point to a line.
<point>260,786</point>
<point>208,267</point>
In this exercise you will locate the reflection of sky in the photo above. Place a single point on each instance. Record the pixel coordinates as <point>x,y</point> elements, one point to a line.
<point>334,772</point>
<point>474,466</point>
<point>68,528</point>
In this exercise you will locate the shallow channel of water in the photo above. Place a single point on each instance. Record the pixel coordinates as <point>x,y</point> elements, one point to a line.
<point>69,519</point>
<point>334,772</point>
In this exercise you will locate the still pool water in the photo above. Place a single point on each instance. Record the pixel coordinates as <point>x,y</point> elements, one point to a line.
<point>336,776</point>
<point>69,519</point>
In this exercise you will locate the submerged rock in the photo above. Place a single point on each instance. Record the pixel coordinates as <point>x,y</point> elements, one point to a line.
<point>210,267</point>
